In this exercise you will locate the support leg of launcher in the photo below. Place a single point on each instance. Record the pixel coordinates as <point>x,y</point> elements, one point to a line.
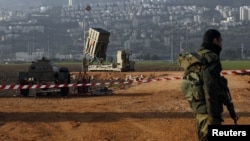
<point>84,65</point>
<point>82,78</point>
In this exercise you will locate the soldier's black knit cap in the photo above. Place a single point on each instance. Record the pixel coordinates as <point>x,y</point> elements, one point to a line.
<point>210,35</point>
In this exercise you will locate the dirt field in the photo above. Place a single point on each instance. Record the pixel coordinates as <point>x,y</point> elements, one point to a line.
<point>154,111</point>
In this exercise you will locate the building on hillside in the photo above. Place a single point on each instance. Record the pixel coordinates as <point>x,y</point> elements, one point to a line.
<point>244,13</point>
<point>70,2</point>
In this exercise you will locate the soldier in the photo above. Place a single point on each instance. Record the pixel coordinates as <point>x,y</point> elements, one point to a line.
<point>208,111</point>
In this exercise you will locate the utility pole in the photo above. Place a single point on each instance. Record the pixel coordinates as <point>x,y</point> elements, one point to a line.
<point>172,41</point>
<point>49,46</point>
<point>84,60</point>
<point>242,51</point>
<point>34,44</point>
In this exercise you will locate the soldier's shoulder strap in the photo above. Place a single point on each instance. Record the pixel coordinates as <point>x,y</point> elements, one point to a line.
<point>208,55</point>
<point>202,59</point>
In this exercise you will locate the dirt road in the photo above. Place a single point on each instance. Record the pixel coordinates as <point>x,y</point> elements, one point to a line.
<point>154,111</point>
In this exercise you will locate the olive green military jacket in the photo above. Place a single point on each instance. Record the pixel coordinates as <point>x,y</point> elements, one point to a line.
<point>210,73</point>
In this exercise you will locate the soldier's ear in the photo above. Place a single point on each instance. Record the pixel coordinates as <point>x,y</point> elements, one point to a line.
<point>217,41</point>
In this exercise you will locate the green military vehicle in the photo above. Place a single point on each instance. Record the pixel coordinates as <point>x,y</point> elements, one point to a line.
<point>43,72</point>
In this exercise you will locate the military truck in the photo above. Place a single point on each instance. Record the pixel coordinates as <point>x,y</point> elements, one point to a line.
<point>44,72</point>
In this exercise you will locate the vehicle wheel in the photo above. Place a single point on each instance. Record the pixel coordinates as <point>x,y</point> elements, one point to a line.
<point>25,92</point>
<point>64,91</point>
<point>110,92</point>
